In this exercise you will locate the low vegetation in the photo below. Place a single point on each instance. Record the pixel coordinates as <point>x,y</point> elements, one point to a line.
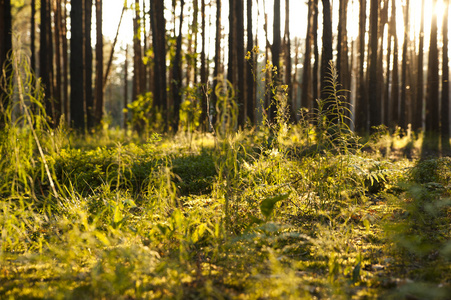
<point>276,212</point>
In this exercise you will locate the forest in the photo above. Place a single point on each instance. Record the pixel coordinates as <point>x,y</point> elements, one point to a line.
<point>225,149</point>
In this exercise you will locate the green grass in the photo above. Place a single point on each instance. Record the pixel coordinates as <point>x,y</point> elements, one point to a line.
<point>148,220</point>
<point>281,211</point>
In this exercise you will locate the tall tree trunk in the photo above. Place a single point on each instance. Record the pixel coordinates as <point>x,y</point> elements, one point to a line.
<point>432,93</point>
<point>316,60</point>
<point>250,84</point>
<point>306,100</point>
<point>418,107</point>
<point>33,35</point>
<point>394,119</point>
<point>177,73</point>
<point>288,64</point>
<point>203,68</point>
<point>373,102</point>
<point>99,64</point>
<point>88,63</point>
<point>159,44</point>
<point>403,100</point>
<point>326,56</point>
<point>342,48</point>
<point>126,89</point>
<point>361,106</point>
<point>5,49</point>
<point>77,91</point>
<point>445,82</point>
<point>217,69</point>
<point>275,51</point>
<point>46,59</point>
<point>58,82</point>
<point>65,62</point>
<point>240,62</point>
<point>137,53</point>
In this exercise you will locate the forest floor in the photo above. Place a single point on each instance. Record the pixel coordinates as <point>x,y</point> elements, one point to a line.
<point>240,217</point>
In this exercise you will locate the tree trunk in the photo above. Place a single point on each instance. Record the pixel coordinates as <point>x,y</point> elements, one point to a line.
<point>432,93</point>
<point>361,106</point>
<point>203,69</point>
<point>99,64</point>
<point>373,102</point>
<point>126,89</point>
<point>403,100</point>
<point>394,119</point>
<point>445,82</point>
<point>326,56</point>
<point>46,59</point>
<point>217,69</point>
<point>159,44</point>
<point>288,63</point>
<point>33,36</point>
<point>88,63</point>
<point>5,48</point>
<point>342,49</point>
<point>58,82</point>
<point>306,100</point>
<point>275,51</point>
<point>250,84</point>
<point>65,63</point>
<point>77,94</point>
<point>418,108</point>
<point>177,73</point>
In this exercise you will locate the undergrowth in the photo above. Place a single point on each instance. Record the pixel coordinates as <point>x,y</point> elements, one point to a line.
<point>231,215</point>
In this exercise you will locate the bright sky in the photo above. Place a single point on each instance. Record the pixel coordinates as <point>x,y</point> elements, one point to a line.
<point>298,18</point>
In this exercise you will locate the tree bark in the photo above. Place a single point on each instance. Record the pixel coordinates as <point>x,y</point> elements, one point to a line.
<point>77,94</point>
<point>275,51</point>
<point>405,58</point>
<point>432,93</point>
<point>250,84</point>
<point>88,63</point>
<point>445,82</point>
<point>177,73</point>
<point>418,107</point>
<point>5,49</point>
<point>373,102</point>
<point>361,106</point>
<point>99,65</point>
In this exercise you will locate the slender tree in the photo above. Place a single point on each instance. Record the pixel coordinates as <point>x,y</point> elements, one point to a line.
<point>432,93</point>
<point>99,85</point>
<point>361,107</point>
<point>33,35</point>
<point>203,66</point>
<point>250,85</point>
<point>418,106</point>
<point>65,64</point>
<point>88,63</point>
<point>77,94</point>
<point>217,58</point>
<point>405,58</point>
<point>45,58</point>
<point>5,49</point>
<point>159,45</point>
<point>137,54</point>
<point>326,55</point>
<point>394,116</point>
<point>444,115</point>
<point>342,47</point>
<point>240,61</point>
<point>126,89</point>
<point>374,117</point>
<point>58,60</point>
<point>306,100</point>
<point>276,51</point>
<point>177,74</point>
<point>288,63</point>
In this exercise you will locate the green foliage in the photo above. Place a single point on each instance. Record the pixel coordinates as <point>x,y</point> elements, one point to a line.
<point>231,215</point>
